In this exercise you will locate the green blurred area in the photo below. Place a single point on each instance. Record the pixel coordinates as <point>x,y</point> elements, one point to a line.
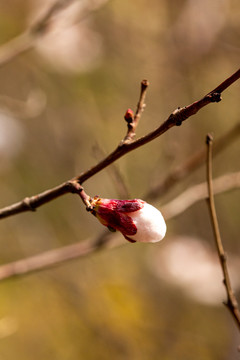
<point>111,305</point>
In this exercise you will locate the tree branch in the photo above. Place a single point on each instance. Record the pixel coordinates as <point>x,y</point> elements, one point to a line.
<point>173,208</point>
<point>231,303</point>
<point>175,119</point>
<point>107,239</point>
<point>54,257</point>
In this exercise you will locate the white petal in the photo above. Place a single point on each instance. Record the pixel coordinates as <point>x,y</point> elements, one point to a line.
<point>150,223</point>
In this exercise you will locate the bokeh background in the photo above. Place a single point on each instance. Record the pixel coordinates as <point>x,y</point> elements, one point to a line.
<point>61,106</point>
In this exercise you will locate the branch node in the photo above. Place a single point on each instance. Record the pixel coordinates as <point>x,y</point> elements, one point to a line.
<point>179,122</point>
<point>74,187</point>
<point>209,139</point>
<point>215,97</point>
<point>28,204</point>
<point>178,116</point>
<point>223,257</point>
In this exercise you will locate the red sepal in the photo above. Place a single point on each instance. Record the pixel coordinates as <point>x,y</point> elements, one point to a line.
<point>128,239</point>
<point>113,213</point>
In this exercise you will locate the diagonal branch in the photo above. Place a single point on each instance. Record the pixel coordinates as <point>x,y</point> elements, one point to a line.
<point>42,24</point>
<point>173,208</point>
<point>54,257</point>
<point>231,299</point>
<point>175,119</point>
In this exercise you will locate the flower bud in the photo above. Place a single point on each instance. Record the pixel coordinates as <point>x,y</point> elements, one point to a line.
<point>129,116</point>
<point>135,219</point>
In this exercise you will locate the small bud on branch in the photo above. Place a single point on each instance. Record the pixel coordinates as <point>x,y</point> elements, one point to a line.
<point>129,116</point>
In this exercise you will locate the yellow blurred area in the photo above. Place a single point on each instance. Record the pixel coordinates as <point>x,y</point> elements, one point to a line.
<point>67,96</point>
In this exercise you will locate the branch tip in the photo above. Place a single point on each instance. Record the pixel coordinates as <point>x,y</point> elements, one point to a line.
<point>209,139</point>
<point>144,84</point>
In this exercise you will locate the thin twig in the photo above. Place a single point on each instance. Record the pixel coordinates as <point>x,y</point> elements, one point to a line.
<point>231,303</point>
<point>132,125</point>
<point>175,119</point>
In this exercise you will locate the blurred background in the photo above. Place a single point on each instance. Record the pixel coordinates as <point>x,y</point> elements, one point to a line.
<point>62,104</point>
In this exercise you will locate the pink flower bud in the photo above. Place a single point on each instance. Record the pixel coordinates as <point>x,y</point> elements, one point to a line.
<point>135,219</point>
<point>129,116</point>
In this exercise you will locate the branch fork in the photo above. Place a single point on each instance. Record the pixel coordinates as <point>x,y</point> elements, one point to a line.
<point>133,120</point>
<point>76,188</point>
<point>128,144</point>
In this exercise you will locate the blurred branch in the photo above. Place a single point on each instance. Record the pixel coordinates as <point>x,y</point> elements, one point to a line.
<point>27,40</point>
<point>15,47</point>
<point>28,109</point>
<point>54,257</point>
<point>175,119</point>
<point>107,239</point>
<point>199,192</point>
<point>42,24</point>
<point>231,299</point>
<point>192,163</point>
